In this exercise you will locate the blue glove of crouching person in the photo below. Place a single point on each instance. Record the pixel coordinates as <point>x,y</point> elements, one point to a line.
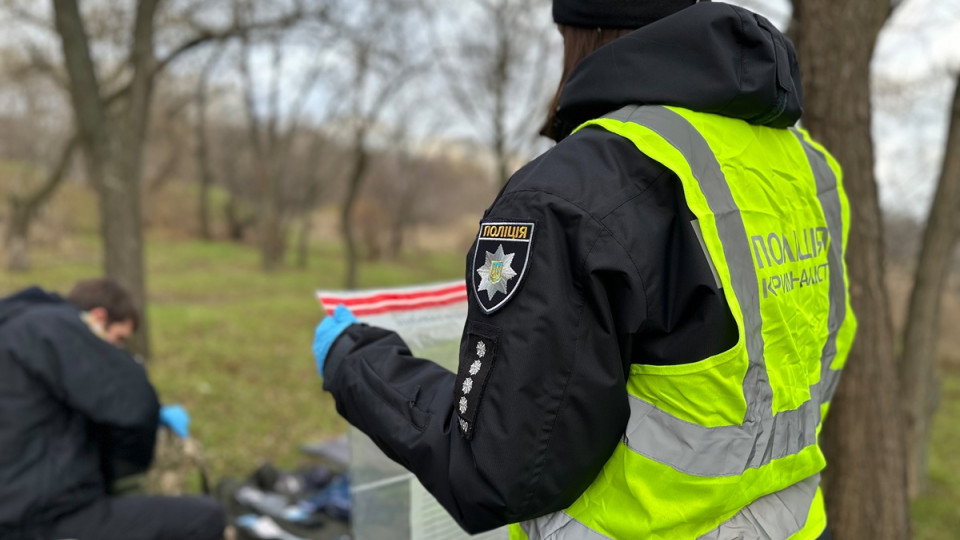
<point>176,418</point>
<point>328,331</point>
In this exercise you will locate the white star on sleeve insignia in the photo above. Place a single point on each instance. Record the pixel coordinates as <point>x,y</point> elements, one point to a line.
<point>463,405</point>
<point>496,272</point>
<point>467,385</point>
<point>475,367</point>
<point>481,349</point>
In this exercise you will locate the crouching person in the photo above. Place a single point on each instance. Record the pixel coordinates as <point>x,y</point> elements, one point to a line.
<point>78,415</point>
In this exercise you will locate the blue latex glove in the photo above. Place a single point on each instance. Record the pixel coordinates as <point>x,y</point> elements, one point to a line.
<point>327,332</point>
<point>176,418</point>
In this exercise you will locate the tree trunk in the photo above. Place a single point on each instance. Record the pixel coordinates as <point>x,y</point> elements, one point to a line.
<point>18,231</point>
<point>865,482</point>
<point>113,140</point>
<point>122,230</point>
<point>303,241</point>
<point>113,145</point>
<point>266,182</point>
<point>501,158</point>
<point>501,80</point>
<point>921,388</point>
<point>202,149</point>
<point>206,180</point>
<point>124,250</point>
<point>165,172</point>
<point>283,235</point>
<point>271,236</point>
<point>24,209</point>
<point>403,214</point>
<point>233,211</point>
<point>237,224</point>
<point>397,237</point>
<point>355,182</point>
<point>267,219</point>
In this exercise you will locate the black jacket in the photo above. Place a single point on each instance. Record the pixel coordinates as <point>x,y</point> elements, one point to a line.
<point>615,276</point>
<point>75,413</point>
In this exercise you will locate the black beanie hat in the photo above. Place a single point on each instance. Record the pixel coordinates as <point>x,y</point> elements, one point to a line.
<point>615,13</point>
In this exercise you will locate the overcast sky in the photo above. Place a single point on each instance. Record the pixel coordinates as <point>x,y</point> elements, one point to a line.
<point>919,53</point>
<point>916,55</point>
<point>914,67</point>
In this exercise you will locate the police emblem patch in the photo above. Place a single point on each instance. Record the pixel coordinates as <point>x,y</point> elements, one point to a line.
<point>500,261</point>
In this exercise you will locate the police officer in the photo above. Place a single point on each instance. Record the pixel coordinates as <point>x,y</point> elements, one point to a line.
<point>658,305</point>
<point>78,421</point>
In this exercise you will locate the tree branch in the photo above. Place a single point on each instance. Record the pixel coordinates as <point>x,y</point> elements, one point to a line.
<point>249,100</point>
<point>56,175</point>
<point>142,61</point>
<point>39,62</point>
<point>273,94</point>
<point>206,35</point>
<point>25,15</point>
<point>167,167</point>
<point>894,6</point>
<point>84,88</point>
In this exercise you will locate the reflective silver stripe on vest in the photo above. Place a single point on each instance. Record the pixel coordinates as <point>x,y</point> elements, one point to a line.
<point>774,517</point>
<point>718,451</point>
<point>730,450</point>
<point>676,130</point>
<point>829,196</point>
<point>559,526</point>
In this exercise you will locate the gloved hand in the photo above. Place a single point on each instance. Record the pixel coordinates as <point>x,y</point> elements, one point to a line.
<point>176,418</point>
<point>327,332</point>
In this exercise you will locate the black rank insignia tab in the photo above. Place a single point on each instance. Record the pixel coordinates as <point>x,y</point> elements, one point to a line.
<point>478,354</point>
<point>500,261</point>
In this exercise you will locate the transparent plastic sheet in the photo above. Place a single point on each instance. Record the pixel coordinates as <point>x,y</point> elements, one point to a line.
<point>389,503</point>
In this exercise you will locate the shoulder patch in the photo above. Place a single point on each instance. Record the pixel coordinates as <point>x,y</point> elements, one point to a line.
<point>500,261</point>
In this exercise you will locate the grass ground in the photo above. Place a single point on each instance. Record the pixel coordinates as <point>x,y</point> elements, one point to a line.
<point>936,515</point>
<point>233,344</point>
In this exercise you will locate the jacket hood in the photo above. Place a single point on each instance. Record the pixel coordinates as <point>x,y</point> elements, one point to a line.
<point>711,57</point>
<point>14,306</point>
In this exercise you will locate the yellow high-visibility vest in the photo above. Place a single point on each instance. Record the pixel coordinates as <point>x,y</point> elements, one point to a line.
<point>726,448</point>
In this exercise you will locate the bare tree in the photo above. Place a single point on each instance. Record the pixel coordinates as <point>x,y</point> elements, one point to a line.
<point>919,364</point>
<point>490,78</point>
<point>233,165</point>
<point>267,184</point>
<point>23,208</point>
<point>33,135</point>
<point>273,134</point>
<point>397,198</point>
<point>865,485</point>
<point>382,62</point>
<point>112,119</point>
<point>202,145</point>
<point>113,143</point>
<point>403,194</point>
<point>166,141</point>
<point>931,257</point>
<point>318,170</point>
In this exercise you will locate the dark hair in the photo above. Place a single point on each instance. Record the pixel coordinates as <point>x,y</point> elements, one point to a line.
<point>578,43</point>
<point>107,294</point>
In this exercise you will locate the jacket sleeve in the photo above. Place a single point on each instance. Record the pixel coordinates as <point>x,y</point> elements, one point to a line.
<point>551,403</point>
<point>108,387</point>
